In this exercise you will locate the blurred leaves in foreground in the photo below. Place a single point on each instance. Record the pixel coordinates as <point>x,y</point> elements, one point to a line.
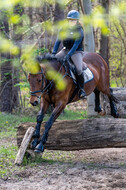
<point>98,18</point>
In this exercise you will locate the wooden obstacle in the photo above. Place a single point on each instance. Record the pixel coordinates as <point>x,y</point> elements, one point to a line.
<point>24,144</point>
<point>79,134</point>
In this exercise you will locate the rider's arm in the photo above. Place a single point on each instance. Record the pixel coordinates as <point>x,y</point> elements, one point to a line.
<point>76,43</point>
<point>56,46</point>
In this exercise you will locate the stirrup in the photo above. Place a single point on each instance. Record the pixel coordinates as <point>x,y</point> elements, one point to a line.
<point>82,94</point>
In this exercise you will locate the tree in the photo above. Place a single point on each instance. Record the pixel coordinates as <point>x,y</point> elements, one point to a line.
<point>6,71</point>
<point>17,38</point>
<point>90,47</point>
<point>104,49</point>
<point>58,15</point>
<point>117,51</point>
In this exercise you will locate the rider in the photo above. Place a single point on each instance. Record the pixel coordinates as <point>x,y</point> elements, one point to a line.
<point>73,48</point>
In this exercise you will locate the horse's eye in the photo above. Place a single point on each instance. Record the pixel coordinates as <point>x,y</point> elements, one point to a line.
<point>39,80</point>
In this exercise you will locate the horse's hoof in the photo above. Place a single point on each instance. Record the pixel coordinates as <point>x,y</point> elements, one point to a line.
<point>102,113</point>
<point>116,115</point>
<point>98,109</point>
<point>34,143</point>
<point>39,148</point>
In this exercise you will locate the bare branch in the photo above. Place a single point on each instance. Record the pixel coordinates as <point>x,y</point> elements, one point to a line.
<point>81,5</point>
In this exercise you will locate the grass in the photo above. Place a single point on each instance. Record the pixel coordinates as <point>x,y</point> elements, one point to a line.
<point>9,122</point>
<point>7,157</point>
<point>8,149</point>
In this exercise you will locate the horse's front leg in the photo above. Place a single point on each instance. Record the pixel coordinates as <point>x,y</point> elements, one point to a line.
<point>56,112</point>
<point>40,116</point>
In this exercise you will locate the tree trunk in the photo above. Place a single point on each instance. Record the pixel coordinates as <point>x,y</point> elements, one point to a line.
<point>58,15</point>
<point>90,47</point>
<point>89,37</point>
<point>6,85</point>
<point>82,134</point>
<point>6,72</point>
<point>104,49</point>
<point>17,38</point>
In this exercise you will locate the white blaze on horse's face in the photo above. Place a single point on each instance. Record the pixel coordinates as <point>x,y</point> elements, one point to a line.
<point>35,81</point>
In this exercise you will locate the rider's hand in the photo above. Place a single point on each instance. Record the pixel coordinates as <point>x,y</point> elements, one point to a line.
<point>39,58</point>
<point>53,55</point>
<point>66,58</point>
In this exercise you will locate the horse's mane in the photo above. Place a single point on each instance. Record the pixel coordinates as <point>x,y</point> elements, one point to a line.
<point>53,60</point>
<point>49,57</point>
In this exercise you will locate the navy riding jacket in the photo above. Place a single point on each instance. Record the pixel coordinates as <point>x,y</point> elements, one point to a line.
<point>74,41</point>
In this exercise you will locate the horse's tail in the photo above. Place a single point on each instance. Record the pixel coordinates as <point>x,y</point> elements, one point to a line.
<point>115,99</point>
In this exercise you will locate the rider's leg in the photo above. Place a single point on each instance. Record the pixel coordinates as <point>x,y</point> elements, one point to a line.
<point>77,59</point>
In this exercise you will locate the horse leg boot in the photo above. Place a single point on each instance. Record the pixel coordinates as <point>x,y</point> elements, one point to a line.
<point>113,101</point>
<point>36,134</point>
<point>97,101</point>
<point>80,80</point>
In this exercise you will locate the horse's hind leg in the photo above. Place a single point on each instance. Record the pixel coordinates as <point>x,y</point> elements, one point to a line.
<point>97,100</point>
<point>113,102</point>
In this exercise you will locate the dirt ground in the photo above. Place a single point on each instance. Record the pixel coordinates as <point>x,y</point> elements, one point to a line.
<point>97,169</point>
<point>101,169</point>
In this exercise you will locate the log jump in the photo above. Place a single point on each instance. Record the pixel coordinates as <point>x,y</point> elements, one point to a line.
<point>81,134</point>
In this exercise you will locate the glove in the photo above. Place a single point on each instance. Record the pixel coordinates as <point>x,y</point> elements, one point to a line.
<point>39,58</point>
<point>66,58</point>
<point>53,55</point>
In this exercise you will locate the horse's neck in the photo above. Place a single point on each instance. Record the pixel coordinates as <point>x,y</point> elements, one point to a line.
<point>56,65</point>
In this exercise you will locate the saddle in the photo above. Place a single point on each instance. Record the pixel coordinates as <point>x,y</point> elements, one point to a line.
<point>88,75</point>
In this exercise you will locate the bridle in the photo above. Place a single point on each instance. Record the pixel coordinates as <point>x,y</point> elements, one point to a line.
<point>47,87</point>
<point>33,93</point>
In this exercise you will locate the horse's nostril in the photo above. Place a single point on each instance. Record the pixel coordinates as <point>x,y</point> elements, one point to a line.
<point>35,103</point>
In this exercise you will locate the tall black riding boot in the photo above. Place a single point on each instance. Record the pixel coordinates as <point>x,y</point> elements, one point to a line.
<point>80,80</point>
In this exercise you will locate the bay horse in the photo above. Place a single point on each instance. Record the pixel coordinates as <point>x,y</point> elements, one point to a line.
<point>45,90</point>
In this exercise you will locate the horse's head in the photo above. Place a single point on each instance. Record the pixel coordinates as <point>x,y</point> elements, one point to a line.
<point>37,83</point>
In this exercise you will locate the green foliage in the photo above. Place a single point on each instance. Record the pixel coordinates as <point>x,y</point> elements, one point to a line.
<point>8,123</point>
<point>117,45</point>
<point>8,151</point>
<point>21,24</point>
<point>40,51</point>
<point>8,46</point>
<point>7,157</point>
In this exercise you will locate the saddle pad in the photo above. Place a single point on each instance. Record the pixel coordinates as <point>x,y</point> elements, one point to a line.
<point>88,75</point>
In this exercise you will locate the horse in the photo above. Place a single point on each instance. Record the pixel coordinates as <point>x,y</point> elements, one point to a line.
<point>45,91</point>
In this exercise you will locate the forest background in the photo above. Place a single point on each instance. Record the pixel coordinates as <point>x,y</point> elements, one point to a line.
<point>28,29</point>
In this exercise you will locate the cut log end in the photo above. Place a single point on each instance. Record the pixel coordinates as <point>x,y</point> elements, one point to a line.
<point>24,144</point>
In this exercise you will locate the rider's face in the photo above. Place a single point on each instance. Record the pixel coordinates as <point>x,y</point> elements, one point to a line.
<point>72,22</point>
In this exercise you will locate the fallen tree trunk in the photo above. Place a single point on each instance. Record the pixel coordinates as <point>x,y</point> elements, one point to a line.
<point>82,134</point>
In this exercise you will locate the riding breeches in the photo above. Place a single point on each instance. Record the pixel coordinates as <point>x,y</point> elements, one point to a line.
<point>77,59</point>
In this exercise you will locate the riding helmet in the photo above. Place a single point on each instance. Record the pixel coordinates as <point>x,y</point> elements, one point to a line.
<point>73,14</point>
